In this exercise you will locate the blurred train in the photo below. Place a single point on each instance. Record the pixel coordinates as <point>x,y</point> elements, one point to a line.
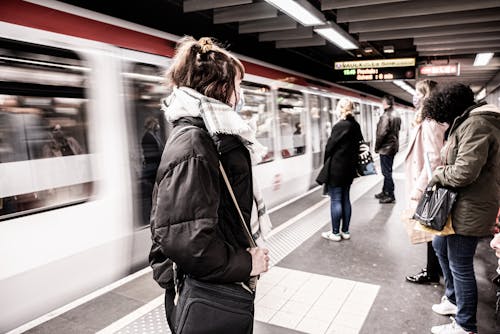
<point>79,97</point>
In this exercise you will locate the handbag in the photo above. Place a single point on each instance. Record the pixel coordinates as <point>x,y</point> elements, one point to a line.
<point>205,308</point>
<point>365,166</point>
<point>434,207</point>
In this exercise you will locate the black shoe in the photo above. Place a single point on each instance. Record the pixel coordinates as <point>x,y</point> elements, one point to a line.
<point>387,199</point>
<point>380,195</point>
<point>422,278</point>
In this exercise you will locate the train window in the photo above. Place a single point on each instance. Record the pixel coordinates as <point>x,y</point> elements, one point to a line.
<point>291,122</point>
<point>44,160</point>
<point>257,110</point>
<point>145,89</point>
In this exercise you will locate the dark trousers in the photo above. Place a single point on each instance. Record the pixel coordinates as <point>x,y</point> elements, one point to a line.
<point>456,256</point>
<point>169,307</point>
<point>340,208</point>
<point>433,267</point>
<point>386,162</point>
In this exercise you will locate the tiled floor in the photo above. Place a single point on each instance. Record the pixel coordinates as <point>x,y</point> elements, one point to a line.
<point>313,303</point>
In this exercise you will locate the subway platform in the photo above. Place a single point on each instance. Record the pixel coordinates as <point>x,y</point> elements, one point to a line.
<point>314,285</point>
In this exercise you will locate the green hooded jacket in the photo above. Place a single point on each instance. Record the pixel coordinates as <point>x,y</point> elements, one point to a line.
<point>471,159</point>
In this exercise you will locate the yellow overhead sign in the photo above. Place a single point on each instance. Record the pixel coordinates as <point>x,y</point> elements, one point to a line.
<point>375,63</point>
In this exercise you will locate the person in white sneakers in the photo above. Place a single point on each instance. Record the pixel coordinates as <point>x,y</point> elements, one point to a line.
<point>339,170</point>
<point>470,157</point>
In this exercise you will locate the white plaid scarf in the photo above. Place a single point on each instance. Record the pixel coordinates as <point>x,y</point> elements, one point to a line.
<point>221,118</point>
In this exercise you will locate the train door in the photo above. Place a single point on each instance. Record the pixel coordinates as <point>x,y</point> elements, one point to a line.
<point>291,123</point>
<point>147,133</point>
<point>320,108</point>
<point>366,123</point>
<point>376,113</point>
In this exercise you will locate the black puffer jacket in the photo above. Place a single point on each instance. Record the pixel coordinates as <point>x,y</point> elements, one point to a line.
<point>388,126</point>
<point>193,220</point>
<point>341,154</point>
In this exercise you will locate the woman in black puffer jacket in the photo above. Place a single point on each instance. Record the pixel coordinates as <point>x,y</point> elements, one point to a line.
<point>194,222</point>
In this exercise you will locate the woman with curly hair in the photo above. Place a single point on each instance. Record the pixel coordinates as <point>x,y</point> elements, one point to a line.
<point>471,157</point>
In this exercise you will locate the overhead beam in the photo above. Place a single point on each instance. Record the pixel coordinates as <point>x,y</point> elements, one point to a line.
<point>423,21</point>
<point>297,43</point>
<point>337,4</point>
<point>411,8</point>
<point>196,5</point>
<point>456,52</point>
<point>485,36</point>
<point>428,32</point>
<point>493,83</point>
<point>459,46</point>
<point>282,22</point>
<point>299,33</point>
<point>254,11</point>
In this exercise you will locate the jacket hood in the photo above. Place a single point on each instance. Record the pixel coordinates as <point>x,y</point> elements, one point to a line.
<point>488,111</point>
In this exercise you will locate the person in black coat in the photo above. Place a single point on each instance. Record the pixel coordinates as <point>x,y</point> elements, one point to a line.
<point>339,170</point>
<point>387,145</point>
<point>194,221</point>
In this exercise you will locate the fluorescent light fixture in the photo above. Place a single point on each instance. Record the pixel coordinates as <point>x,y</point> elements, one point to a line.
<point>368,50</point>
<point>481,95</point>
<point>403,85</point>
<point>337,36</point>
<point>483,58</point>
<point>300,10</point>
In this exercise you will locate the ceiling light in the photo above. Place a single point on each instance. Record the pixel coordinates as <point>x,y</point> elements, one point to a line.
<point>300,10</point>
<point>403,85</point>
<point>337,36</point>
<point>483,58</point>
<point>368,50</point>
<point>388,49</point>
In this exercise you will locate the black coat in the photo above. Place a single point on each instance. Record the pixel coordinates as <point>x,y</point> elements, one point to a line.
<point>388,126</point>
<point>341,154</point>
<point>193,220</point>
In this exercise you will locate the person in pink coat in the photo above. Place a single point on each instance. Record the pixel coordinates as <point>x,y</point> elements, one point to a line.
<point>427,139</point>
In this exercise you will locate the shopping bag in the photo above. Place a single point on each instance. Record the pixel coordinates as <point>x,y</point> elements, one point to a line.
<point>447,229</point>
<point>434,207</point>
<point>366,166</point>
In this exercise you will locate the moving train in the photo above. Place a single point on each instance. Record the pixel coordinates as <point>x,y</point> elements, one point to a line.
<point>79,127</point>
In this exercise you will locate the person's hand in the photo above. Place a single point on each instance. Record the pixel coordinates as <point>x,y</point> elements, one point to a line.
<point>260,260</point>
<point>435,180</point>
<point>416,194</point>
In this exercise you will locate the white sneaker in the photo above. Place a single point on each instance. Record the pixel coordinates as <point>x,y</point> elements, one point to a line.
<point>331,236</point>
<point>445,307</point>
<point>345,235</point>
<point>452,328</point>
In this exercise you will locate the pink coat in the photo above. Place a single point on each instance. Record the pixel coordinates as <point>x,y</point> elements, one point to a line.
<point>427,138</point>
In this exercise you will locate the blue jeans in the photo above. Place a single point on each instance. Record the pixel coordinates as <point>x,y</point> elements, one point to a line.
<point>386,162</point>
<point>340,208</point>
<point>456,255</point>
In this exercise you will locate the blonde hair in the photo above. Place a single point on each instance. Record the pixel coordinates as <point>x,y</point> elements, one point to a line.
<point>425,88</point>
<point>205,67</point>
<point>344,107</point>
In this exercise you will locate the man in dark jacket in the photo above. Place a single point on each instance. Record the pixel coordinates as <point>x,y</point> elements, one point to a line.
<point>387,145</point>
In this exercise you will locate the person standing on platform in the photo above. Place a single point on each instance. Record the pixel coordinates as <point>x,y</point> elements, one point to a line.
<point>387,145</point>
<point>427,139</point>
<point>339,170</point>
<point>194,221</point>
<point>471,157</point>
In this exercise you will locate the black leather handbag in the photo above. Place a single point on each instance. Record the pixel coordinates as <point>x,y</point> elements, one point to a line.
<point>214,308</point>
<point>206,308</point>
<point>434,207</point>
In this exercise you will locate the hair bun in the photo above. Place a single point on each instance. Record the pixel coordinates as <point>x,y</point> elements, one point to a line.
<point>206,44</point>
